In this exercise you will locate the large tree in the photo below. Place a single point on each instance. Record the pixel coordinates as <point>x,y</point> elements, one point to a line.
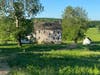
<point>20,10</point>
<point>74,23</point>
<point>6,27</point>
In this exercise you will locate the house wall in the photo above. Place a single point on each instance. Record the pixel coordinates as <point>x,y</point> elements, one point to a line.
<point>48,36</point>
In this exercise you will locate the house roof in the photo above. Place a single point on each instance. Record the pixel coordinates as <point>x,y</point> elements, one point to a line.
<point>47,25</point>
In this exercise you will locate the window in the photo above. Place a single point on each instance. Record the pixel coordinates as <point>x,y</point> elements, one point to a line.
<point>54,31</point>
<point>50,24</point>
<point>49,34</point>
<point>55,35</point>
<point>58,32</point>
<point>53,38</point>
<point>38,37</point>
<point>58,38</point>
<point>39,31</point>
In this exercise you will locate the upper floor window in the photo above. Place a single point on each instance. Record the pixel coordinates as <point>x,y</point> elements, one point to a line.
<point>58,32</point>
<point>50,24</point>
<point>53,38</point>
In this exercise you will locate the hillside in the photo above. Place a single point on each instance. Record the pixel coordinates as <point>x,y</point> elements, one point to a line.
<point>94,34</point>
<point>47,19</point>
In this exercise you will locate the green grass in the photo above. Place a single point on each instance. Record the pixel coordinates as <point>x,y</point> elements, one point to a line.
<point>94,34</point>
<point>54,59</point>
<point>59,62</point>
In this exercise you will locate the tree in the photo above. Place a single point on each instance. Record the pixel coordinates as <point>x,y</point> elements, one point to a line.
<point>20,10</point>
<point>74,23</point>
<point>5,28</point>
<point>99,28</point>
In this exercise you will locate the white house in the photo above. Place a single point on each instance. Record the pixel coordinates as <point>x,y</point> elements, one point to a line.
<point>48,32</point>
<point>86,41</point>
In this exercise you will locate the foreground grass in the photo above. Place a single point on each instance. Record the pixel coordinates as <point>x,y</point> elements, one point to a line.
<point>59,62</point>
<point>54,59</point>
<point>51,60</point>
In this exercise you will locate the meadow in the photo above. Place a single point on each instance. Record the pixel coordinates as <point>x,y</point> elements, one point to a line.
<point>94,34</point>
<point>54,59</point>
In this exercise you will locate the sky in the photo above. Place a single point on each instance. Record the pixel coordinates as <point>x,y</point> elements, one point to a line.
<point>55,8</point>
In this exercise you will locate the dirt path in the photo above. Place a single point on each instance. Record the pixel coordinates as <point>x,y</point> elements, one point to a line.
<point>4,68</point>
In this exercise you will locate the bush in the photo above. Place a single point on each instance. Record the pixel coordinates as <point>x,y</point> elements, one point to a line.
<point>94,47</point>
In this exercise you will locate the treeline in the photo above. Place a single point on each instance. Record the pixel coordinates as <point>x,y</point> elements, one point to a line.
<point>47,19</point>
<point>94,23</point>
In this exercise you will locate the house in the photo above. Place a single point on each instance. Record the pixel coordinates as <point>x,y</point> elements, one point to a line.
<point>48,32</point>
<point>86,41</point>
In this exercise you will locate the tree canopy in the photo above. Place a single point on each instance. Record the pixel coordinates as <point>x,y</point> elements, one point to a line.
<point>6,28</point>
<point>20,10</point>
<point>74,23</point>
<point>27,8</point>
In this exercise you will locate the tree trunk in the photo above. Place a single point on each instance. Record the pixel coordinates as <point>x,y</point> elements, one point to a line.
<point>19,40</point>
<point>19,35</point>
<point>76,40</point>
<point>17,22</point>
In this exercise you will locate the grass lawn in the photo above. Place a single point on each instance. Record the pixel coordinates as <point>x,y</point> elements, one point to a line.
<point>94,34</point>
<point>53,59</point>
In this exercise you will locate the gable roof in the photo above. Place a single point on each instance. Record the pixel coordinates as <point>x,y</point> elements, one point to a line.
<point>47,25</point>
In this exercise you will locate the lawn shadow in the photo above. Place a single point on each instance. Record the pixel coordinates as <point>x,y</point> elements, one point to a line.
<point>7,49</point>
<point>42,61</point>
<point>33,55</point>
<point>94,46</point>
<point>49,47</point>
<point>8,44</point>
<point>46,47</point>
<point>13,48</point>
<point>96,42</point>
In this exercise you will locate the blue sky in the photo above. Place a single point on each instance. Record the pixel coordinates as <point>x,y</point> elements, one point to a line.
<point>55,8</point>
